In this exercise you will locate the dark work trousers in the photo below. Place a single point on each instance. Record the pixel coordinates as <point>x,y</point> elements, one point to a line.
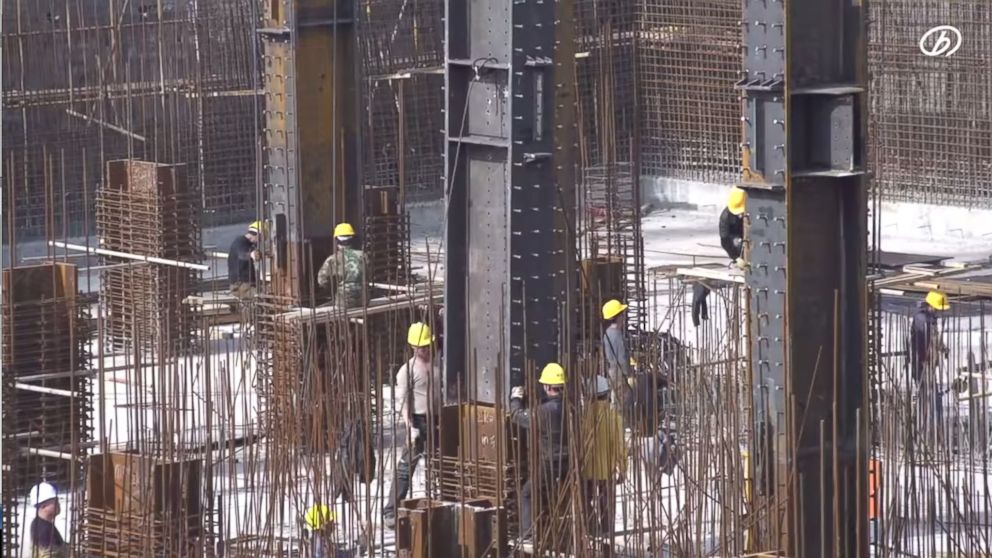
<point>601,495</point>
<point>552,474</point>
<point>700,311</point>
<point>407,465</point>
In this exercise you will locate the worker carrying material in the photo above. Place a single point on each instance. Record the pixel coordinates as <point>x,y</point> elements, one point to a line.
<point>604,457</point>
<point>615,349</point>
<point>552,450</point>
<point>418,399</point>
<point>46,541</point>
<point>321,521</point>
<point>241,258</point>
<point>925,347</point>
<point>344,270</point>
<point>732,226</point>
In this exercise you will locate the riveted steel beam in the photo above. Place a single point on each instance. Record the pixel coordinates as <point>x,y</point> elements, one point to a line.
<point>803,156</point>
<point>509,183</point>
<point>311,174</point>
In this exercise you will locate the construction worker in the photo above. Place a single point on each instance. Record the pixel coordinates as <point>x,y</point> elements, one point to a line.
<point>320,520</point>
<point>615,349</point>
<point>924,347</point>
<point>241,258</point>
<point>700,309</point>
<point>604,456</point>
<point>552,451</point>
<point>46,541</point>
<point>732,226</point>
<point>418,396</point>
<point>344,270</point>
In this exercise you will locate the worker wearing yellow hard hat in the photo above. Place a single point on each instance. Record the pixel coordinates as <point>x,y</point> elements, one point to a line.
<point>549,419</point>
<point>320,520</point>
<point>732,226</point>
<point>615,349</point>
<point>344,270</point>
<point>417,398</point>
<point>241,257</point>
<point>937,300</point>
<point>925,351</point>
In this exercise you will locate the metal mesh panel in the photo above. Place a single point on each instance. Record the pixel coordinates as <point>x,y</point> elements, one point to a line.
<point>689,60</point>
<point>86,81</point>
<point>931,119</point>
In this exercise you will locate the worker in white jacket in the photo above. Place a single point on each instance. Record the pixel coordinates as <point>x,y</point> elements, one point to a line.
<point>418,396</point>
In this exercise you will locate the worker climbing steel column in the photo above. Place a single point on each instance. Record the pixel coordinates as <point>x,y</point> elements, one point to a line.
<point>344,270</point>
<point>241,258</point>
<point>732,226</point>
<point>418,396</point>
<point>604,458</point>
<point>552,436</point>
<point>615,350</point>
<point>925,349</point>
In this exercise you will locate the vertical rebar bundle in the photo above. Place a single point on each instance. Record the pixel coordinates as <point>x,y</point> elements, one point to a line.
<point>46,386</point>
<point>149,209</point>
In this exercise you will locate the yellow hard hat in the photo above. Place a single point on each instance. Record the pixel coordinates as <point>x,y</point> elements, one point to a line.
<point>938,300</point>
<point>612,309</point>
<point>419,335</point>
<point>318,516</point>
<point>736,201</point>
<point>344,229</point>
<point>257,227</point>
<point>553,375</point>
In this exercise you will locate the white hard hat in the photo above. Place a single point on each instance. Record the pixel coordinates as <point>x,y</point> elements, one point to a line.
<point>42,493</point>
<point>602,385</point>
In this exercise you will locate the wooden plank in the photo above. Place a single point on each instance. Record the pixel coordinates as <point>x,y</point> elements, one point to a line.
<point>327,314</point>
<point>721,274</point>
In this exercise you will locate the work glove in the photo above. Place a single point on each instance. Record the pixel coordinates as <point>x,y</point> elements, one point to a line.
<point>517,392</point>
<point>255,255</point>
<point>739,262</point>
<point>414,435</point>
<point>632,381</point>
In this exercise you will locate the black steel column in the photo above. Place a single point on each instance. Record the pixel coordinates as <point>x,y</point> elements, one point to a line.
<point>509,192</point>
<point>803,157</point>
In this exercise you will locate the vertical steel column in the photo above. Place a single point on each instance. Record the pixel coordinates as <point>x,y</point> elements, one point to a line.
<point>311,177</point>
<point>509,188</point>
<point>803,157</point>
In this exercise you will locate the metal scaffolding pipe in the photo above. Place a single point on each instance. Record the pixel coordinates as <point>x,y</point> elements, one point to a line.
<point>127,256</point>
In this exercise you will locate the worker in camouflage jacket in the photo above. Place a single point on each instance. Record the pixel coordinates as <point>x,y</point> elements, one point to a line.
<point>344,270</point>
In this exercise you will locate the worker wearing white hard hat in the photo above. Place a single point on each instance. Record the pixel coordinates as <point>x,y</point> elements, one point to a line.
<point>46,541</point>
<point>604,457</point>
